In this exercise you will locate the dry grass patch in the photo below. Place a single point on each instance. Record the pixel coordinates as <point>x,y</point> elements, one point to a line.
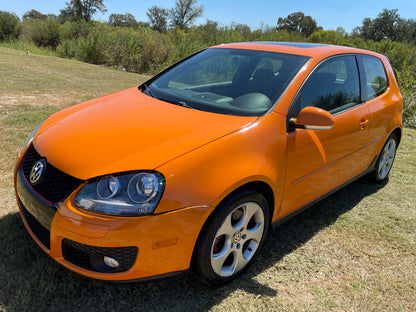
<point>37,79</point>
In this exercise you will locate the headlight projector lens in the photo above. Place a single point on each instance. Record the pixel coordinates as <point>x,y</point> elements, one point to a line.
<point>108,187</point>
<point>142,187</point>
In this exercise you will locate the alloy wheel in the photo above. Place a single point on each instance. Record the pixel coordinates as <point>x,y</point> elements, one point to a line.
<point>237,239</point>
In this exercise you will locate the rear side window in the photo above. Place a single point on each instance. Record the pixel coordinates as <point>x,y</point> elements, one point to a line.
<point>375,77</point>
<point>333,86</point>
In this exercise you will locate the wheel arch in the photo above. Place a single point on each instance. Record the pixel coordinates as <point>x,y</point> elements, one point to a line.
<point>261,187</point>
<point>398,133</point>
<point>258,186</point>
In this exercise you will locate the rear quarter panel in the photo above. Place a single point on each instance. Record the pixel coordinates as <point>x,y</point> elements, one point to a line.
<point>385,110</point>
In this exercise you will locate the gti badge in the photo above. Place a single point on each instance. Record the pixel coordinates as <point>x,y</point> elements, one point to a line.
<point>37,172</point>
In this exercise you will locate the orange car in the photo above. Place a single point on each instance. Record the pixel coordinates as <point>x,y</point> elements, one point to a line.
<point>191,169</point>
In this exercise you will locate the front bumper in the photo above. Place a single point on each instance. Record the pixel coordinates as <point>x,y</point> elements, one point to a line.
<point>145,247</point>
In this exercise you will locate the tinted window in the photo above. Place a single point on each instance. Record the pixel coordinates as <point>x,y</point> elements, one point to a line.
<point>375,76</point>
<point>333,86</point>
<point>227,81</point>
<point>217,69</point>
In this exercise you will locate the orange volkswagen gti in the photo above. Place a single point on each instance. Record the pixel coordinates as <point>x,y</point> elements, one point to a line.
<point>191,169</point>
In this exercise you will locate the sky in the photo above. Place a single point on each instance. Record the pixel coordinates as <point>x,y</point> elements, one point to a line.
<point>330,14</point>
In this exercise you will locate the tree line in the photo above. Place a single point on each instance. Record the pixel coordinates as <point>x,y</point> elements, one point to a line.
<point>170,34</point>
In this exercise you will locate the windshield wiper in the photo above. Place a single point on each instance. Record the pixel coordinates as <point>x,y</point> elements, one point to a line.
<point>147,89</point>
<point>179,103</point>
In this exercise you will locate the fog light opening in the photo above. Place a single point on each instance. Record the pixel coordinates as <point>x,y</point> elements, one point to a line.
<point>111,262</point>
<point>105,264</point>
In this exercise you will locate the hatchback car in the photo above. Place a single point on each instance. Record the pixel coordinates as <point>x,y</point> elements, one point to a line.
<point>193,167</point>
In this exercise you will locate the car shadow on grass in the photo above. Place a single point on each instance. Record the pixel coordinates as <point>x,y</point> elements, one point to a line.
<point>31,281</point>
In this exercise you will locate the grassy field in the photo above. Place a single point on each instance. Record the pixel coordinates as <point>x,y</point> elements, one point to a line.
<point>354,251</point>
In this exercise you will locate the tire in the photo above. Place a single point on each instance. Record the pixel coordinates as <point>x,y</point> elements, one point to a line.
<point>231,238</point>
<point>385,160</point>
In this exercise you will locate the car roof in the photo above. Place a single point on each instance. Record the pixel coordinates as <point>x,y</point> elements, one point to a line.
<point>300,48</point>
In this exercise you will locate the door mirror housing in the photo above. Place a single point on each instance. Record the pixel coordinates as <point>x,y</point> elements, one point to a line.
<point>312,118</point>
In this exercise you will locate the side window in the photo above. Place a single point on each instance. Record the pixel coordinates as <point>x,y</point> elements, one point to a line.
<point>375,77</point>
<point>333,86</point>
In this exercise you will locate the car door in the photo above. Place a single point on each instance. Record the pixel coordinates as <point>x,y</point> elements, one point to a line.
<point>320,160</point>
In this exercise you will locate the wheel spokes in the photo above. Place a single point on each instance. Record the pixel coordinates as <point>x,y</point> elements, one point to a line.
<point>387,159</point>
<point>226,228</point>
<point>256,234</point>
<point>237,239</point>
<point>241,260</point>
<point>218,262</point>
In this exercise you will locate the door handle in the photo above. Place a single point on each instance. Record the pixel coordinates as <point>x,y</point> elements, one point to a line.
<point>363,123</point>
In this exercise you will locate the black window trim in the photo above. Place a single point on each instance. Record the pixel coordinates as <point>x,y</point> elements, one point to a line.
<point>363,79</point>
<point>293,109</point>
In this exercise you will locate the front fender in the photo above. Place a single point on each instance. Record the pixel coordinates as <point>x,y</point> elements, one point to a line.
<point>208,174</point>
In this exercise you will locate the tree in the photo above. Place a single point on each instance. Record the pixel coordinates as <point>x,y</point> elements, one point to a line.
<point>81,9</point>
<point>367,30</point>
<point>209,32</point>
<point>143,24</point>
<point>185,12</point>
<point>10,26</point>
<point>387,25</point>
<point>34,14</point>
<point>243,29</point>
<point>341,31</point>
<point>123,20</point>
<point>299,23</point>
<point>411,30</point>
<point>158,18</point>
<point>67,15</point>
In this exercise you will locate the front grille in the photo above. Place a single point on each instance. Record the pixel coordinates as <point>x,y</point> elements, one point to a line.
<point>40,232</point>
<point>91,257</point>
<point>56,185</point>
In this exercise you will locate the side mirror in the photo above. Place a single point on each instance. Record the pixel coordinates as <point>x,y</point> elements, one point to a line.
<point>312,118</point>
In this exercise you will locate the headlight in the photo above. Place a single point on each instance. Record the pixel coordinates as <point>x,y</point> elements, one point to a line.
<point>134,194</point>
<point>30,138</point>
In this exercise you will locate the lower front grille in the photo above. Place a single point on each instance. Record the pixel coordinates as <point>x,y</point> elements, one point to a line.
<point>92,258</point>
<point>40,232</point>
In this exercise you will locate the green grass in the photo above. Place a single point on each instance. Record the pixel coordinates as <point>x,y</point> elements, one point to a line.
<point>354,251</point>
<point>30,47</point>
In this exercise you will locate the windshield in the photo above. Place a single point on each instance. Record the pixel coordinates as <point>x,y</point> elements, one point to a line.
<point>227,81</point>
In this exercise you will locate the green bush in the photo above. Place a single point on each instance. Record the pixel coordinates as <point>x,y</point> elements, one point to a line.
<point>10,26</point>
<point>397,52</point>
<point>327,36</point>
<point>92,48</point>
<point>43,33</point>
<point>184,43</point>
<point>271,34</point>
<point>75,30</point>
<point>67,48</point>
<point>407,83</point>
<point>155,53</point>
<point>139,50</point>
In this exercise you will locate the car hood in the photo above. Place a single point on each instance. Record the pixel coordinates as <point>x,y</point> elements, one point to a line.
<point>127,131</point>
